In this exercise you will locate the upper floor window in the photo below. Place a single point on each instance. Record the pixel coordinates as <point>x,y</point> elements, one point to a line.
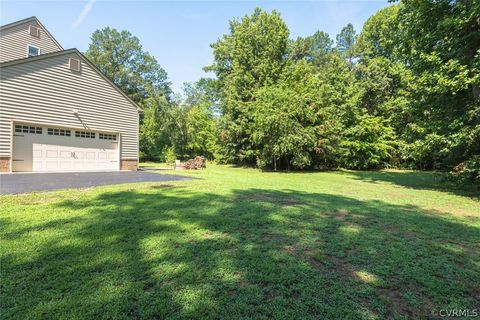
<point>33,51</point>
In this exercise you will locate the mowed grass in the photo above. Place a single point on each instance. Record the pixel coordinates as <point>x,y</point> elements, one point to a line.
<point>241,243</point>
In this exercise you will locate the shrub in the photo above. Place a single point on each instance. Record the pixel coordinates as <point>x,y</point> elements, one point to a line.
<point>368,145</point>
<point>467,172</point>
<point>169,156</point>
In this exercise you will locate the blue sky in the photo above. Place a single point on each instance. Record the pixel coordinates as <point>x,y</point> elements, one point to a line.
<point>178,33</point>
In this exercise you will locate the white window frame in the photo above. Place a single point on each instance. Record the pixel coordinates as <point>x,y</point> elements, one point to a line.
<point>28,51</point>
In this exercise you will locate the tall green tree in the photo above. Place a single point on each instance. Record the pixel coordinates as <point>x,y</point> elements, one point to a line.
<point>120,56</point>
<point>284,123</point>
<point>201,119</point>
<point>346,42</point>
<point>299,122</point>
<point>440,44</point>
<point>251,56</point>
<point>156,127</point>
<point>182,128</point>
<point>380,35</point>
<point>314,48</point>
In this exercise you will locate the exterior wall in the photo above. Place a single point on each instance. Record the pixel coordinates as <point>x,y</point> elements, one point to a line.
<point>4,164</point>
<point>131,165</point>
<point>14,41</point>
<point>46,91</point>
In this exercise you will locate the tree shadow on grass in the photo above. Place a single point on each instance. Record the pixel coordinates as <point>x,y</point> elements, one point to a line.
<point>422,180</point>
<point>256,253</point>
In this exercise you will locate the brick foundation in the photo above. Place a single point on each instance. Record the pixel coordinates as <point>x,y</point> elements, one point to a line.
<point>4,164</point>
<point>131,165</point>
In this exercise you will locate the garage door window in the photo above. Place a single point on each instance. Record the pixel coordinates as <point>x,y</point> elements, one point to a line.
<point>107,136</point>
<point>28,129</point>
<point>58,132</point>
<point>85,134</point>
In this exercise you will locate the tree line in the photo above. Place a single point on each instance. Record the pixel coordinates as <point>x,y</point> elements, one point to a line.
<point>403,92</point>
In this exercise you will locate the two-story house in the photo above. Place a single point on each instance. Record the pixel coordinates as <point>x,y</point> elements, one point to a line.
<point>58,112</point>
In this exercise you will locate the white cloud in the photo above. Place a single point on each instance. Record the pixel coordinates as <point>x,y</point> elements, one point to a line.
<point>86,9</point>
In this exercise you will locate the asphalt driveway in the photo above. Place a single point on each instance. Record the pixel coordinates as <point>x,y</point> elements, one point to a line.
<point>28,182</point>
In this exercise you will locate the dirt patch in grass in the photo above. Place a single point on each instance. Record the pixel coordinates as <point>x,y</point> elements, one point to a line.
<point>342,215</point>
<point>472,252</point>
<point>317,264</point>
<point>295,249</point>
<point>395,300</point>
<point>289,202</point>
<point>437,211</point>
<point>242,282</point>
<point>284,202</point>
<point>395,230</point>
<point>217,235</point>
<point>395,303</point>
<point>149,285</point>
<point>296,295</point>
<point>166,186</point>
<point>311,257</point>
<point>274,237</point>
<point>270,295</point>
<point>207,235</point>
<point>44,198</point>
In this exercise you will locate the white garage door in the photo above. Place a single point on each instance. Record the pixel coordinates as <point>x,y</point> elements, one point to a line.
<point>40,148</point>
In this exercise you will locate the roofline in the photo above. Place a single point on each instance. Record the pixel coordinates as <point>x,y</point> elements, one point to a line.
<point>73,50</point>
<point>108,80</point>
<point>39,57</point>
<point>16,23</point>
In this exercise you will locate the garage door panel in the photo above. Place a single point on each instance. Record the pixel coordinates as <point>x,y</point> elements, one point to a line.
<point>65,165</point>
<point>51,165</point>
<point>43,152</point>
<point>103,165</point>
<point>37,166</point>
<point>65,154</point>
<point>78,165</point>
<point>91,165</point>
<point>52,154</point>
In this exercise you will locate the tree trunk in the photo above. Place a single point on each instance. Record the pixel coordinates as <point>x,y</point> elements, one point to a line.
<point>476,93</point>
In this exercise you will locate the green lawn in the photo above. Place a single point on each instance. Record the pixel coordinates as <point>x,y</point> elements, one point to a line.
<point>154,164</point>
<point>241,243</point>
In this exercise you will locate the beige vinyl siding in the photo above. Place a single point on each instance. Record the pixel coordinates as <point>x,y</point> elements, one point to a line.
<point>47,91</point>
<point>14,41</point>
